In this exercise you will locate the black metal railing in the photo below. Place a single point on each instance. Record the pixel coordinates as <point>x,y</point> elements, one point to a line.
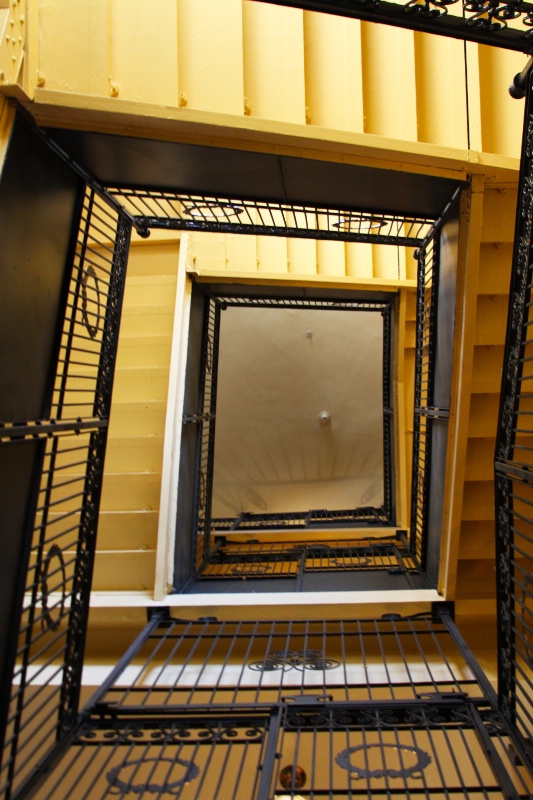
<point>206,431</point>
<point>514,468</point>
<point>43,709</point>
<point>152,208</point>
<point>499,24</point>
<point>426,329</point>
<point>264,709</point>
<point>205,418</point>
<point>318,518</point>
<point>389,494</point>
<point>293,559</point>
<point>433,369</point>
<point>46,683</point>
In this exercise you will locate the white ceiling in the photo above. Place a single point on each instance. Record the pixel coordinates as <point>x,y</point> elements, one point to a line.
<point>279,370</point>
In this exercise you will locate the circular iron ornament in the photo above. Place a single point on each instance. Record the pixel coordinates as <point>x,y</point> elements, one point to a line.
<point>166,787</point>
<point>292,777</point>
<point>344,760</point>
<point>362,223</point>
<point>210,210</point>
<point>285,660</point>
<point>47,622</point>
<point>245,571</point>
<point>91,329</point>
<point>270,664</point>
<point>319,664</point>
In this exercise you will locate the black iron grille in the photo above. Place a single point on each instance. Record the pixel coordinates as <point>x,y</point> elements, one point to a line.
<point>174,210</point>
<point>369,708</point>
<point>205,417</point>
<point>49,655</point>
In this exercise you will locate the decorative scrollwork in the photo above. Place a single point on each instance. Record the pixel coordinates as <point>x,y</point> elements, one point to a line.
<point>179,732</point>
<point>425,717</point>
<point>525,619</point>
<point>463,715</point>
<point>209,354</point>
<point>430,9</point>
<point>493,722</point>
<point>513,363</point>
<point>379,718</point>
<point>491,15</point>
<point>503,527</point>
<point>507,705</point>
<point>504,574</point>
<point>284,660</point>
<point>297,719</point>
<point>372,753</point>
<point>92,329</point>
<point>506,426</point>
<point>47,622</point>
<point>122,777</point>
<point>528,144</point>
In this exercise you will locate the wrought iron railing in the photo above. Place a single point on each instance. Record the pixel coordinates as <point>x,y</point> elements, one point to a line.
<point>56,600</point>
<point>426,325</point>
<point>206,428</point>
<point>374,708</point>
<point>432,385</point>
<point>391,694</point>
<point>205,417</point>
<point>499,24</point>
<point>43,705</point>
<point>514,467</point>
<point>151,208</point>
<point>262,559</point>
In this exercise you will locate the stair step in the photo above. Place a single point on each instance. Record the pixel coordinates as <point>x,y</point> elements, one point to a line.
<point>133,491</point>
<point>478,501</point>
<point>124,571</point>
<point>491,320</point>
<point>144,351</point>
<point>495,269</point>
<point>135,384</point>
<point>127,530</point>
<point>484,409</point>
<point>135,454</point>
<point>137,419</point>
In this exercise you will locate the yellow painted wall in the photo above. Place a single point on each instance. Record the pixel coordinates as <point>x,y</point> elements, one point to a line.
<point>246,58</point>
<point>304,259</point>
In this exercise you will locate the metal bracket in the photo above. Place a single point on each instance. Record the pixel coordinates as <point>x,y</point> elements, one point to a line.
<point>442,607</point>
<point>433,413</point>
<point>443,697</point>
<point>307,699</point>
<point>194,419</point>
